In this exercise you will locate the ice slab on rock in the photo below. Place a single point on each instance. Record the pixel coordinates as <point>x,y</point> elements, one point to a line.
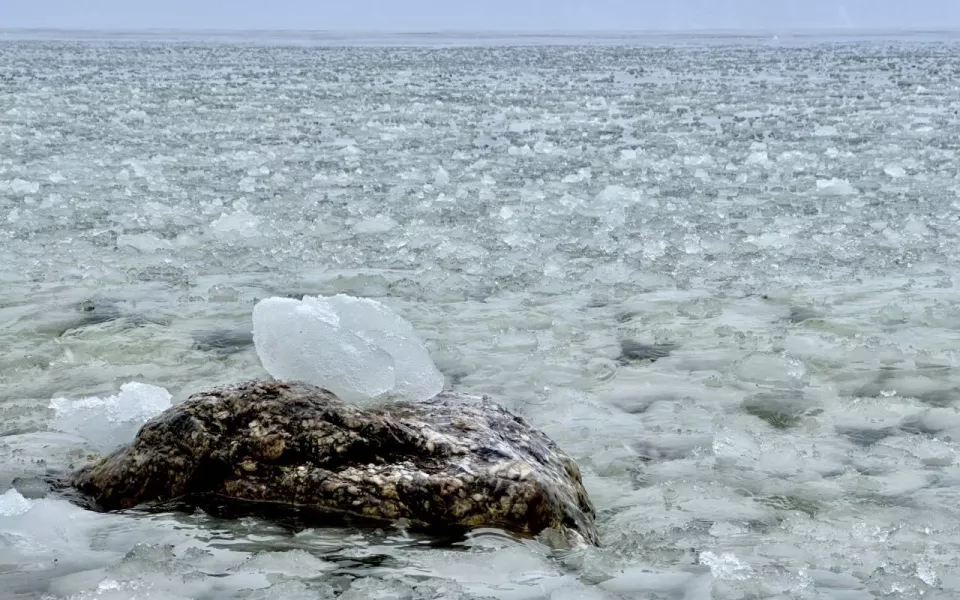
<point>305,341</point>
<point>416,376</point>
<point>109,422</point>
<point>355,347</point>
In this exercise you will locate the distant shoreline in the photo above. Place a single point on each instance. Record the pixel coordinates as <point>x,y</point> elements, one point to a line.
<point>477,37</point>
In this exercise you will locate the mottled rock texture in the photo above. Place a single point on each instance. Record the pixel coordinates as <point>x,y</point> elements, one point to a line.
<point>455,462</point>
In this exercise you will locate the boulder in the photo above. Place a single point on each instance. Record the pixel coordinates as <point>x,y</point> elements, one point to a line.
<point>452,463</point>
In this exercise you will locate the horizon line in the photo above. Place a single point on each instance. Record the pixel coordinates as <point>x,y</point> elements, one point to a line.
<point>429,31</point>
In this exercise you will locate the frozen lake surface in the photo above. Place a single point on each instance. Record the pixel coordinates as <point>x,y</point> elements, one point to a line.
<point>775,221</point>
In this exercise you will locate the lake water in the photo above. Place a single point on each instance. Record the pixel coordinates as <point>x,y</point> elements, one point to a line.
<point>780,217</point>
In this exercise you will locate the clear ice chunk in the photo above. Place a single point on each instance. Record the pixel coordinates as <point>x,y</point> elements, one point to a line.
<point>305,341</point>
<point>357,348</point>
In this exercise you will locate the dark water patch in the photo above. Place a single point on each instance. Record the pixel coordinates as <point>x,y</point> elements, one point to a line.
<point>920,425</point>
<point>95,312</point>
<point>872,470</point>
<point>943,398</point>
<point>598,302</point>
<point>91,314</point>
<point>780,410</point>
<point>791,503</point>
<point>636,404</point>
<point>674,449</point>
<point>760,526</point>
<point>223,341</point>
<point>866,437</point>
<point>116,326</point>
<point>82,315</point>
<point>633,351</point>
<point>890,501</point>
<point>799,314</point>
<point>31,487</point>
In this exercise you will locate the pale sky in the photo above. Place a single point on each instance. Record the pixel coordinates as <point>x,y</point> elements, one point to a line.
<point>425,15</point>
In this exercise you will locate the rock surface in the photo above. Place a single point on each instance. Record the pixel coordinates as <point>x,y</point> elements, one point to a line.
<point>455,462</point>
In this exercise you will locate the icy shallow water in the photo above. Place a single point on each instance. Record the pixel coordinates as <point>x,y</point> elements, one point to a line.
<point>780,220</point>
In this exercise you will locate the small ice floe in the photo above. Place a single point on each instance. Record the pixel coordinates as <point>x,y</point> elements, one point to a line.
<point>112,421</point>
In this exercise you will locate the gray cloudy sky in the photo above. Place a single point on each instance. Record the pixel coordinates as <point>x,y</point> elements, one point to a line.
<point>481,14</point>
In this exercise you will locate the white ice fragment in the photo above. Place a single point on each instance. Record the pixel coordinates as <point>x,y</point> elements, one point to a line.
<point>441,178</point>
<point>12,504</point>
<point>19,186</point>
<point>726,566</point>
<point>377,224</point>
<point>835,187</point>
<point>926,573</point>
<point>518,239</point>
<point>915,226</point>
<point>506,213</point>
<point>111,421</point>
<point>611,203</point>
<point>236,226</point>
<point>825,131</point>
<point>546,147</point>
<point>357,348</point>
<point>137,115</point>
<point>584,174</point>
<point>895,171</point>
<point>247,185</point>
<point>618,194</point>
<point>758,158</point>
<point>893,313</point>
